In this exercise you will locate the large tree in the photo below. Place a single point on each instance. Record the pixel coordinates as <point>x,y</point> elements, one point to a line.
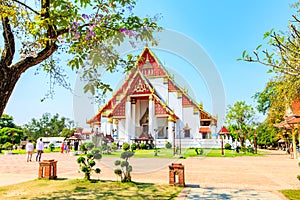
<point>283,58</point>
<point>85,29</point>
<point>240,120</point>
<point>281,53</point>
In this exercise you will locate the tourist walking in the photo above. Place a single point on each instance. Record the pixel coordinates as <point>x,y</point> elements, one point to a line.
<point>29,150</point>
<point>40,149</point>
<point>62,147</point>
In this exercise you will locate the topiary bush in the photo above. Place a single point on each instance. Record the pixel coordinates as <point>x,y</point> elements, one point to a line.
<point>87,162</point>
<point>126,146</point>
<point>87,146</point>
<point>51,146</point>
<point>168,145</point>
<point>113,146</point>
<point>126,168</point>
<point>142,146</point>
<point>227,146</point>
<point>133,146</point>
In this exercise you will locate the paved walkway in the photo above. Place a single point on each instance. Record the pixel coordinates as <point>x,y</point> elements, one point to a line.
<point>206,178</point>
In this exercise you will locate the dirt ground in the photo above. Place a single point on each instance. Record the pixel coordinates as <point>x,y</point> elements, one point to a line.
<point>274,171</point>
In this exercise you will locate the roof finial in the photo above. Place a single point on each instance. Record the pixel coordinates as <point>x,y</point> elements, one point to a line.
<point>147,44</point>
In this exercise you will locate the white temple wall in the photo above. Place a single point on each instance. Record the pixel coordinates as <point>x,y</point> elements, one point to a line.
<point>192,120</point>
<point>175,103</point>
<point>162,124</point>
<point>160,87</point>
<point>121,129</point>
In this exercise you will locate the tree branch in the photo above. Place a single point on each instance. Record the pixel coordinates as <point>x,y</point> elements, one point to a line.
<point>26,6</point>
<point>28,62</point>
<point>9,44</point>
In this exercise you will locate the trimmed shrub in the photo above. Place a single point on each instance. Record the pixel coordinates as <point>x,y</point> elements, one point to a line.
<point>227,146</point>
<point>126,168</point>
<point>87,162</point>
<point>114,146</point>
<point>133,146</point>
<point>143,146</point>
<point>168,145</point>
<point>126,146</point>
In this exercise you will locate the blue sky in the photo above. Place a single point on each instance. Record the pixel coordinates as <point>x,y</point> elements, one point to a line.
<point>223,28</point>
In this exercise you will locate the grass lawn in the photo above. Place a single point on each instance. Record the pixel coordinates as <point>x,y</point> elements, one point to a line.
<point>165,153</point>
<point>80,189</point>
<point>217,153</point>
<point>291,194</point>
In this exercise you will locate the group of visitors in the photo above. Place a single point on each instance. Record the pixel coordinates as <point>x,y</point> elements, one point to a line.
<point>65,146</point>
<point>39,149</point>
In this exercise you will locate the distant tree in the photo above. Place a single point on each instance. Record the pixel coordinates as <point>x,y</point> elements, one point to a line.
<point>47,126</point>
<point>66,132</point>
<point>9,131</point>
<point>267,134</point>
<point>7,121</point>
<point>84,29</point>
<point>240,120</point>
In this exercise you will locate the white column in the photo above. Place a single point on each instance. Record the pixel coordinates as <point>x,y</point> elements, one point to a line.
<point>171,129</point>
<point>151,116</point>
<point>109,126</point>
<point>127,120</point>
<point>133,117</point>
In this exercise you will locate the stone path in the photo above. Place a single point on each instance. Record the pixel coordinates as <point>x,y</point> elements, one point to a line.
<point>206,178</point>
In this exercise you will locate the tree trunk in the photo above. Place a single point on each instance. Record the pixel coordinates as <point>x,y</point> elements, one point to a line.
<point>9,78</point>
<point>9,75</point>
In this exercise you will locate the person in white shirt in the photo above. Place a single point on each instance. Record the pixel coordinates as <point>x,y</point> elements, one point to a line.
<point>29,150</point>
<point>40,149</point>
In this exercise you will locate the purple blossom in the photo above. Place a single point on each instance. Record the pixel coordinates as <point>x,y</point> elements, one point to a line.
<point>130,33</point>
<point>123,30</point>
<point>91,27</point>
<point>60,39</point>
<point>75,25</point>
<point>68,7</point>
<point>130,7</point>
<point>84,16</point>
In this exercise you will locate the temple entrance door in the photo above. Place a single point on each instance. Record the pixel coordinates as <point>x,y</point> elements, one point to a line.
<point>145,128</point>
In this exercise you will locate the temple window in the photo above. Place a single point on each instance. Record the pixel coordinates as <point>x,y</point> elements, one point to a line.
<point>187,133</point>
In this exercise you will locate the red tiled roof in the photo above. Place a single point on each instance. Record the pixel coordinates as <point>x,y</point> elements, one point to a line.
<point>204,130</point>
<point>224,130</point>
<point>296,107</point>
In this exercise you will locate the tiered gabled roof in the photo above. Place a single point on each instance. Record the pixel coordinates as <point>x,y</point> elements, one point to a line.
<point>137,84</point>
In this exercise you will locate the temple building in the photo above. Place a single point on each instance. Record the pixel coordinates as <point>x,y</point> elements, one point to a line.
<point>151,106</point>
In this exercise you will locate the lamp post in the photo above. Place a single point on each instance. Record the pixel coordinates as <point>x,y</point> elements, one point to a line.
<point>222,145</point>
<point>213,130</point>
<point>173,141</point>
<point>180,141</point>
<point>155,134</point>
